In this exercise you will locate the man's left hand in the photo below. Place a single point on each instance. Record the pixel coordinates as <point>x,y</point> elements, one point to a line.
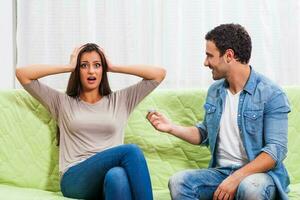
<point>227,189</point>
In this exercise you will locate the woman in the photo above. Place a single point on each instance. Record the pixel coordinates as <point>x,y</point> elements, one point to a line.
<point>93,162</point>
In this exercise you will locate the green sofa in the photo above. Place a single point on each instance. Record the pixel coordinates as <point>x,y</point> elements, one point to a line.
<point>29,155</point>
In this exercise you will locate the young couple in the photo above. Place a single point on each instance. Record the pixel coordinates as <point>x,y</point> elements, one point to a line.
<point>245,126</point>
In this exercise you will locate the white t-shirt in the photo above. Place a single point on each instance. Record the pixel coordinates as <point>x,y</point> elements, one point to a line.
<point>230,149</point>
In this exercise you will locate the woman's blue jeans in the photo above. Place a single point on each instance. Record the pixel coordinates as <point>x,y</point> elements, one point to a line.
<point>117,173</point>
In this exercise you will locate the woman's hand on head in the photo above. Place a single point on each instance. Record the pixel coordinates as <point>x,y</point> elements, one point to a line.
<point>108,62</point>
<point>109,65</point>
<point>73,57</point>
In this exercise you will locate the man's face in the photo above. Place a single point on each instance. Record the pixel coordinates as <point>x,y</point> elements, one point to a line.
<point>214,61</point>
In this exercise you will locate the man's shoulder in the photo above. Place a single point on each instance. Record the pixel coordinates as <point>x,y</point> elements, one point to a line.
<point>266,85</point>
<point>271,94</point>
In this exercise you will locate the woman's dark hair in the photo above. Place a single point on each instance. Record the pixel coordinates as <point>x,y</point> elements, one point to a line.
<point>232,36</point>
<point>74,87</point>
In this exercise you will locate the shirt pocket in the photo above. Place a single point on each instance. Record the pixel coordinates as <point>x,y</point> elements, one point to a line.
<point>210,111</point>
<point>253,121</point>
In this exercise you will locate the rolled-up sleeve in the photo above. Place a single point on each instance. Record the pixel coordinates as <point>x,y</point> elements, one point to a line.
<point>202,128</point>
<point>276,127</point>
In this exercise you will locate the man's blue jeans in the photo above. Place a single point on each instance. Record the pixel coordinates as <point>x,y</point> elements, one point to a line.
<point>117,173</point>
<point>202,183</point>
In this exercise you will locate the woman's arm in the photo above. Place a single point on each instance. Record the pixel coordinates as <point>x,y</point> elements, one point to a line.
<point>143,71</point>
<point>133,94</point>
<point>32,72</point>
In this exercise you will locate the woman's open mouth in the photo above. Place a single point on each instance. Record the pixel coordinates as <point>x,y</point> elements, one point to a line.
<point>91,79</point>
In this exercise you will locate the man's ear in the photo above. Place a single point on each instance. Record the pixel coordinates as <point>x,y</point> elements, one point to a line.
<point>229,55</point>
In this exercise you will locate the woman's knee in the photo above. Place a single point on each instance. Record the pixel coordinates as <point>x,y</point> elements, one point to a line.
<point>116,184</point>
<point>134,149</point>
<point>116,175</point>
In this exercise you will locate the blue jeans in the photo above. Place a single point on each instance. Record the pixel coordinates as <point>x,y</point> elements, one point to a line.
<point>117,173</point>
<point>201,184</point>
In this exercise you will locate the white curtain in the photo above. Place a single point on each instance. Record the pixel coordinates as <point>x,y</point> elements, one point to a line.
<point>161,32</point>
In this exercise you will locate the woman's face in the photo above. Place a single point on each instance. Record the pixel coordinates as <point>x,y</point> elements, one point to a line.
<point>90,71</point>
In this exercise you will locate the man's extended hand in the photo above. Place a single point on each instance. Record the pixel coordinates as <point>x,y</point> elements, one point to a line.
<point>159,121</point>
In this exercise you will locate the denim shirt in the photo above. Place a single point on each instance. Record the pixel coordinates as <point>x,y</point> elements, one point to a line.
<point>262,121</point>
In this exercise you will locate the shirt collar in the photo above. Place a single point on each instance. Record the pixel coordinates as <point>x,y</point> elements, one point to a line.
<point>250,84</point>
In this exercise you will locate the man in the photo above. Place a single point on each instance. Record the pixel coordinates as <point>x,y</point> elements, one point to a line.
<point>245,127</point>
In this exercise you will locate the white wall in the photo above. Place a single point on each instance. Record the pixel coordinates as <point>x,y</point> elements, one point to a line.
<point>169,33</point>
<point>7,44</point>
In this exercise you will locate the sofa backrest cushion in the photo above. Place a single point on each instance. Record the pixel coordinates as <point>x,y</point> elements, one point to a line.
<point>292,162</point>
<point>167,154</point>
<point>28,151</point>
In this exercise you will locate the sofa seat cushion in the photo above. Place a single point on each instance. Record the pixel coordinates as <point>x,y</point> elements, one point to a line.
<point>16,193</point>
